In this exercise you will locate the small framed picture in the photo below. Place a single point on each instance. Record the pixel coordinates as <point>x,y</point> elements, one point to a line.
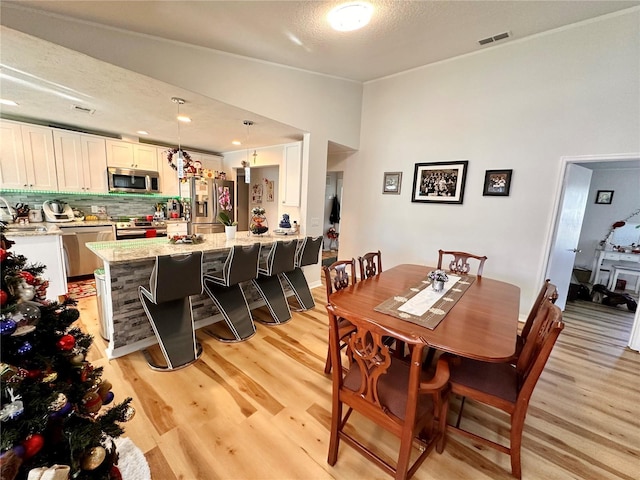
<point>604,197</point>
<point>439,182</point>
<point>392,182</point>
<point>497,183</point>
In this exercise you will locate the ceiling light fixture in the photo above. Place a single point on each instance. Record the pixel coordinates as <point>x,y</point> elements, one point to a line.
<point>142,132</point>
<point>183,118</point>
<point>350,16</point>
<point>180,162</point>
<point>8,102</point>
<point>245,163</point>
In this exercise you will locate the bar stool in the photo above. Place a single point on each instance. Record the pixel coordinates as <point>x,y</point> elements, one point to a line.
<point>307,253</point>
<point>227,295</point>
<point>280,259</point>
<point>617,270</point>
<point>167,304</point>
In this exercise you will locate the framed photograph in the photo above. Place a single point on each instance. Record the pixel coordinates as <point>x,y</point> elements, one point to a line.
<point>497,183</point>
<point>604,197</point>
<point>392,182</point>
<point>440,182</point>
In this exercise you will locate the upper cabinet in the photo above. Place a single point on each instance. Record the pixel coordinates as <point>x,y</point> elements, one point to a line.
<point>81,162</point>
<point>132,155</point>
<point>27,159</point>
<point>169,184</point>
<point>290,176</point>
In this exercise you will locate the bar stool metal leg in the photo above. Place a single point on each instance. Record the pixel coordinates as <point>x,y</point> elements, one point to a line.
<point>232,304</point>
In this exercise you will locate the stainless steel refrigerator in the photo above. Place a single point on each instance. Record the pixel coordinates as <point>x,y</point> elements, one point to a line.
<point>208,197</point>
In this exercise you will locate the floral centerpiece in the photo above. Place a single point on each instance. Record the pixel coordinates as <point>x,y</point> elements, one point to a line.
<point>182,239</point>
<point>258,224</point>
<point>438,279</point>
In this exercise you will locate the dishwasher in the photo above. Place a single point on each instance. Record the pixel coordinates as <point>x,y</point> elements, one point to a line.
<point>79,259</point>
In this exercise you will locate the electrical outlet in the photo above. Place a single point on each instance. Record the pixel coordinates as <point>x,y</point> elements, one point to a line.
<point>94,209</point>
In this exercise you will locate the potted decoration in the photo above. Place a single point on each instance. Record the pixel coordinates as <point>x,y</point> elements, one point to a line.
<point>438,279</point>
<point>230,227</point>
<point>258,224</point>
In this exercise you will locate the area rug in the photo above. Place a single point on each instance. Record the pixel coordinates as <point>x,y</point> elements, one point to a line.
<point>131,461</point>
<point>82,288</point>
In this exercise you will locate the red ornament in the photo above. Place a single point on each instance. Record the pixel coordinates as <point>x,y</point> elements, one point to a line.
<point>28,277</point>
<point>32,445</point>
<point>3,254</point>
<point>66,343</point>
<point>34,374</point>
<point>114,473</point>
<point>4,297</point>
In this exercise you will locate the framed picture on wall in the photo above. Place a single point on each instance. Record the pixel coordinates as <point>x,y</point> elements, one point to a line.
<point>439,182</point>
<point>392,182</point>
<point>497,183</point>
<point>604,197</point>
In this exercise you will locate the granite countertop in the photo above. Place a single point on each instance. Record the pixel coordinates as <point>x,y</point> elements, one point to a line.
<point>120,251</point>
<point>49,228</point>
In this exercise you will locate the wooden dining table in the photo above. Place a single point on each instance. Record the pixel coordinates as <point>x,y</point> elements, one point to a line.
<point>482,325</point>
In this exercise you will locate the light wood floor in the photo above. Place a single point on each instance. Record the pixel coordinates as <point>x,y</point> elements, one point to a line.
<point>260,409</point>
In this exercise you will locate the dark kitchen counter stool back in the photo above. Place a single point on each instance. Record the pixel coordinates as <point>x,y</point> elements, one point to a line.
<point>307,253</point>
<point>280,259</point>
<point>225,291</point>
<point>167,304</point>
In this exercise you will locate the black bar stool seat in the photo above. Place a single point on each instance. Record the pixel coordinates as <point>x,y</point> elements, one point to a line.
<point>280,259</point>
<point>167,304</point>
<point>307,253</point>
<point>227,295</point>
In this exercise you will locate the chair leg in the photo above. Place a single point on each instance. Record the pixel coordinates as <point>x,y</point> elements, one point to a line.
<point>232,304</point>
<point>172,322</point>
<point>334,439</point>
<point>327,365</point>
<point>298,283</point>
<point>272,293</point>
<point>517,424</point>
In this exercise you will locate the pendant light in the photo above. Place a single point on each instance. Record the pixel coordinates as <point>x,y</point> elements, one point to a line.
<point>180,161</point>
<point>245,163</point>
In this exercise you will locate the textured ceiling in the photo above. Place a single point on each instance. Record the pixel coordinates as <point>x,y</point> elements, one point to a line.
<point>402,35</point>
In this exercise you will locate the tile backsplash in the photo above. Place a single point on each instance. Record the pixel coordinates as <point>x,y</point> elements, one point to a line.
<point>117,205</point>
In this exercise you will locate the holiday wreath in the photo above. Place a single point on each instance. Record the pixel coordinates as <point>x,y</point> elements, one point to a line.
<point>188,163</point>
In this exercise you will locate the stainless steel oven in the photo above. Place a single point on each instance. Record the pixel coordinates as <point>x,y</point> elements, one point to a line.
<point>140,229</point>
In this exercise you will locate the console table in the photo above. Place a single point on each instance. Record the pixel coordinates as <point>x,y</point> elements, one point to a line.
<point>604,259</point>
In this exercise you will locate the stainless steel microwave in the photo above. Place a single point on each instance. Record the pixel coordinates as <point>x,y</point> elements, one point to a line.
<point>133,181</point>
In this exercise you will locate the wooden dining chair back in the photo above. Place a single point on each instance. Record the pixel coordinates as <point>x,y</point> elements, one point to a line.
<point>337,276</point>
<point>370,264</point>
<point>460,262</point>
<point>548,293</point>
<point>506,386</point>
<point>396,395</point>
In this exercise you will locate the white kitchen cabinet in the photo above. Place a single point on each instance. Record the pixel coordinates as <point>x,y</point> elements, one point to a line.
<point>131,155</point>
<point>290,175</point>
<point>45,250</point>
<point>169,184</point>
<point>81,162</point>
<point>27,158</point>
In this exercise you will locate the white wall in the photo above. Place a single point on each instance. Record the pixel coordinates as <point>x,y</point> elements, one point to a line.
<point>625,182</point>
<point>523,106</point>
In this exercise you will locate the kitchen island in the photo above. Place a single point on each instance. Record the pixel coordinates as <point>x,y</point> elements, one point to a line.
<point>128,264</point>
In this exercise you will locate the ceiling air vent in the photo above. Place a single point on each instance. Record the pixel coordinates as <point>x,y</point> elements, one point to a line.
<point>495,38</point>
<point>78,108</point>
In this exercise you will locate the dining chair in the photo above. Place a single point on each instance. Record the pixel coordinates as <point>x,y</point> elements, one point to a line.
<point>506,386</point>
<point>370,264</point>
<point>460,262</point>
<point>548,292</point>
<point>394,394</point>
<point>337,276</point>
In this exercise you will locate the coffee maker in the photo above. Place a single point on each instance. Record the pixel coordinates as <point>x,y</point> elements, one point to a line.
<point>174,209</point>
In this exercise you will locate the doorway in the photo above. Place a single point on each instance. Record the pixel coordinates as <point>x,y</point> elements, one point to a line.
<point>561,271</point>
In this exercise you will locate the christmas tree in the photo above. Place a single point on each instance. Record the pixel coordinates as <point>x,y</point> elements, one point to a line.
<point>52,415</point>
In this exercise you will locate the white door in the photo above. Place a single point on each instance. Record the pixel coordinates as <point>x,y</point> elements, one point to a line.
<point>567,233</point>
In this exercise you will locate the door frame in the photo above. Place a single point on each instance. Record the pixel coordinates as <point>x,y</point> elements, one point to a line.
<point>584,160</point>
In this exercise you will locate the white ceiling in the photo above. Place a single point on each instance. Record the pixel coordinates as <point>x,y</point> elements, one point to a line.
<point>402,35</point>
